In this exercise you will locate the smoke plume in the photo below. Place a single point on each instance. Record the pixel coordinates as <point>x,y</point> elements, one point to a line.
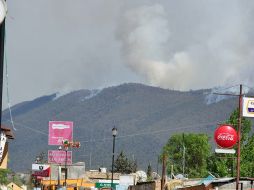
<point>200,46</point>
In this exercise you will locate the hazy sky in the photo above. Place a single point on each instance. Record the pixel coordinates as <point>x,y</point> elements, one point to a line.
<point>65,45</point>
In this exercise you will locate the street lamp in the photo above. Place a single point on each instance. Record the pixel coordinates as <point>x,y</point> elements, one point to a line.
<point>65,170</point>
<point>114,133</point>
<point>59,170</point>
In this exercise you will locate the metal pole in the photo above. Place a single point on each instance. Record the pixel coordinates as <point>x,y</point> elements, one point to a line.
<point>113,158</point>
<point>90,161</point>
<point>2,36</point>
<point>158,159</point>
<point>239,139</point>
<point>65,177</point>
<point>58,176</point>
<point>183,156</point>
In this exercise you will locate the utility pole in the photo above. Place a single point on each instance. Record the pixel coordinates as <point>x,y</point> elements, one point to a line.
<point>157,170</point>
<point>164,166</point>
<point>183,156</point>
<point>238,163</point>
<point>239,138</point>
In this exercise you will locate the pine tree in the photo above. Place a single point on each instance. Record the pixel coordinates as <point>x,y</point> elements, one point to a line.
<point>149,172</point>
<point>123,165</point>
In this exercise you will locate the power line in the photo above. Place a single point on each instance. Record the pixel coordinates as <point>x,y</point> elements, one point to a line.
<point>233,86</point>
<point>154,132</point>
<point>129,135</point>
<point>30,128</point>
<point>218,91</point>
<point>249,87</point>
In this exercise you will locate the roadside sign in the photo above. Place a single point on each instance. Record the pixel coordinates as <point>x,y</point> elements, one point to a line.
<point>225,136</point>
<point>59,157</point>
<point>59,131</point>
<point>248,107</point>
<point>42,170</point>
<point>105,185</point>
<point>225,151</point>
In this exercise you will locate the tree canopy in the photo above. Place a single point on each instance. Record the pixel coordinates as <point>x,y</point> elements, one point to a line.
<point>188,154</point>
<point>4,176</point>
<point>192,154</point>
<point>225,165</point>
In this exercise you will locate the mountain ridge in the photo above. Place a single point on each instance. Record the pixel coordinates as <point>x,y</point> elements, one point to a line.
<point>145,116</point>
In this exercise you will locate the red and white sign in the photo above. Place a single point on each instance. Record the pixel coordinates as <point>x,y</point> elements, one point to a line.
<point>59,157</point>
<point>42,170</point>
<point>225,136</point>
<point>59,131</point>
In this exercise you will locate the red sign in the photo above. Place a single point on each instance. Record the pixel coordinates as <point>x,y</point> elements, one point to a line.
<point>59,157</point>
<point>225,136</point>
<point>43,173</point>
<point>42,170</point>
<point>59,131</point>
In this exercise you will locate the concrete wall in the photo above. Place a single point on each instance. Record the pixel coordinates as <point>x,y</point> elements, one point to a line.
<point>75,171</point>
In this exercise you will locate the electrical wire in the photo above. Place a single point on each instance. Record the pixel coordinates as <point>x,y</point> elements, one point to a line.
<point>225,88</point>
<point>153,132</point>
<point>7,84</point>
<point>125,136</point>
<point>249,87</point>
<point>30,128</point>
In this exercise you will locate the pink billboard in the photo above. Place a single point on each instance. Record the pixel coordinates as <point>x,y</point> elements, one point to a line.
<point>59,157</point>
<point>59,131</point>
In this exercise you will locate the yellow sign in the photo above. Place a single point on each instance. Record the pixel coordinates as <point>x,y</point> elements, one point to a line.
<point>248,107</point>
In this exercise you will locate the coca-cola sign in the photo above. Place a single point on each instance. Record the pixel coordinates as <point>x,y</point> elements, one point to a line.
<point>225,136</point>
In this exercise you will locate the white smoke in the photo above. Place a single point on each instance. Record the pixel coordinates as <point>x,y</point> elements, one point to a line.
<point>220,93</point>
<point>65,45</point>
<point>202,49</point>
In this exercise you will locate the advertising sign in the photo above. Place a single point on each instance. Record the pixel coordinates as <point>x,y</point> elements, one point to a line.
<point>2,145</point>
<point>248,107</point>
<point>59,131</point>
<point>225,136</point>
<point>59,157</point>
<point>105,185</point>
<point>42,170</point>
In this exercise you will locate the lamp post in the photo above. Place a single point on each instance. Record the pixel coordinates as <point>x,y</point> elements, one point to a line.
<point>59,171</point>
<point>65,170</point>
<point>114,133</point>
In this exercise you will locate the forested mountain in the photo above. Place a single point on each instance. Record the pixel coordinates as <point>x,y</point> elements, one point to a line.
<point>145,117</point>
